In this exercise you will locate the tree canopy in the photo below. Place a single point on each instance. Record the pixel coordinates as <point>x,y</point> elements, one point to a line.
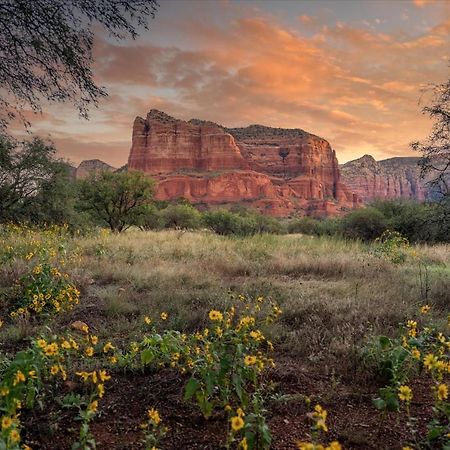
<point>117,199</point>
<point>29,171</point>
<point>435,150</point>
<point>46,50</point>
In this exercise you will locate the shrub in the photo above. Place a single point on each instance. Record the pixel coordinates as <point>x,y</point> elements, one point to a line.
<point>181,216</point>
<point>365,224</point>
<point>152,219</point>
<point>304,225</point>
<point>224,222</point>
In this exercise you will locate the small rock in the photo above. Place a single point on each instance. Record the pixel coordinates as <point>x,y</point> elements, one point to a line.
<point>79,326</point>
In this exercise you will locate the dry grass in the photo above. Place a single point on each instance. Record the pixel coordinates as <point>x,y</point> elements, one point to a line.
<point>333,293</point>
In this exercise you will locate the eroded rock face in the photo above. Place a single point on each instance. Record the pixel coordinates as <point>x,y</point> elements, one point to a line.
<point>162,144</point>
<point>92,165</point>
<point>278,171</point>
<point>387,179</point>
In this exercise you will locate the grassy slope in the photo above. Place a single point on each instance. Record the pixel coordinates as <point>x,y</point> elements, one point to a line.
<point>334,294</point>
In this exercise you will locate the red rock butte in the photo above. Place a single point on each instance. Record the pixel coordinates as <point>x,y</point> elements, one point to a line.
<point>280,172</point>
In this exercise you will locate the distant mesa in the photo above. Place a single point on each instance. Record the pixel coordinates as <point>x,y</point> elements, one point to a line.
<point>92,165</point>
<point>280,172</point>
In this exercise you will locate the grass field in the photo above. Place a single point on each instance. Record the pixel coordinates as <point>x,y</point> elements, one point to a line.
<point>335,297</point>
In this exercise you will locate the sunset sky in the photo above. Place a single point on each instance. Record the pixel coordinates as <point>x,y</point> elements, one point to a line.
<point>349,71</point>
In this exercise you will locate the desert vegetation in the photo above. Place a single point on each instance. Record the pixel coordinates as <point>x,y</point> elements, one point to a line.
<point>189,339</point>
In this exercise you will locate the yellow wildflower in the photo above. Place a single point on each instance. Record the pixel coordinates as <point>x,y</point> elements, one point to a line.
<point>18,378</point>
<point>442,392</point>
<point>54,370</point>
<point>94,340</point>
<point>425,309</point>
<point>405,393</point>
<point>65,344</point>
<point>93,406</point>
<point>320,413</point>
<point>215,315</point>
<point>101,390</point>
<point>430,361</point>
<point>415,353</point>
<point>306,446</point>
<point>321,425</point>
<point>334,446</point>
<point>51,349</point>
<point>89,351</point>
<point>14,436</point>
<point>243,444</point>
<point>6,422</point>
<point>154,416</point>
<point>107,347</point>
<point>4,391</point>
<point>103,375</point>
<point>237,423</point>
<point>250,360</point>
<point>164,316</point>
<point>147,320</point>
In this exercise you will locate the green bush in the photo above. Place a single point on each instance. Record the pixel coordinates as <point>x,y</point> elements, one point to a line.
<point>152,219</point>
<point>418,222</point>
<point>225,222</point>
<point>365,224</point>
<point>182,216</point>
<point>304,225</point>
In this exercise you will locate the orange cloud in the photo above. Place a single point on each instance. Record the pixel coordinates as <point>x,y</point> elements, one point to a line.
<point>356,87</point>
<point>422,3</point>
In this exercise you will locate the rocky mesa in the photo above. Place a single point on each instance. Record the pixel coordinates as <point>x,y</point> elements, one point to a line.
<point>387,179</point>
<point>278,171</point>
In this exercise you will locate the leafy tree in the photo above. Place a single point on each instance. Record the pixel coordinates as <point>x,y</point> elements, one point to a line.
<point>435,150</point>
<point>116,199</point>
<point>56,201</point>
<point>27,170</point>
<point>46,50</point>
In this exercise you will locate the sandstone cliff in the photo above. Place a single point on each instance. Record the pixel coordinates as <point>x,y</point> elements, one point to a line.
<point>279,171</point>
<point>386,179</point>
<point>163,144</point>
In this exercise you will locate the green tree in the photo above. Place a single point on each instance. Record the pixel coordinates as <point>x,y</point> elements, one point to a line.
<point>118,200</point>
<point>28,172</point>
<point>46,50</point>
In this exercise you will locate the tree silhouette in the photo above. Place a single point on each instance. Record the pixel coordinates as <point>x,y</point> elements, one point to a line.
<point>46,50</point>
<point>284,153</point>
<point>435,150</point>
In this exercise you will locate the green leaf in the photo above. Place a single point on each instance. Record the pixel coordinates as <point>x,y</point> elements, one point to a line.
<point>237,383</point>
<point>190,389</point>
<point>147,356</point>
<point>434,433</point>
<point>379,403</point>
<point>384,342</point>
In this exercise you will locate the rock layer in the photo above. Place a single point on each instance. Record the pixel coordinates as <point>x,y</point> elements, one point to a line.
<point>162,144</point>
<point>387,179</point>
<point>279,171</point>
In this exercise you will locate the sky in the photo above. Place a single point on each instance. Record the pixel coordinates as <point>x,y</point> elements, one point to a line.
<point>350,71</point>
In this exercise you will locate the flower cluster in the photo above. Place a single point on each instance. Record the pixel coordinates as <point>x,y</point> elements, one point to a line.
<point>46,290</point>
